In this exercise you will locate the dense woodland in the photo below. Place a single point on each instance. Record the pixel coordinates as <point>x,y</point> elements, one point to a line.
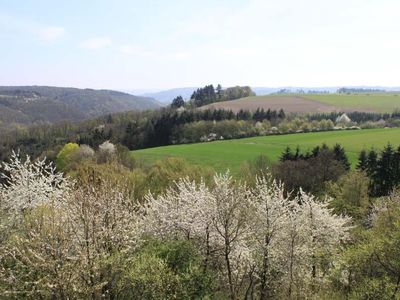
<point>27,105</point>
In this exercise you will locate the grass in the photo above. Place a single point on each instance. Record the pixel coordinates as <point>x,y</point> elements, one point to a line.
<point>382,102</point>
<point>231,154</point>
<point>374,102</point>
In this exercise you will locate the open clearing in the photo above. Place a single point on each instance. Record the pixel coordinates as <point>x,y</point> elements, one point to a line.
<point>230,154</point>
<point>323,103</point>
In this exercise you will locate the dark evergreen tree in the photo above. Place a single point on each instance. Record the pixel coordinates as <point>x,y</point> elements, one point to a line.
<point>286,155</point>
<point>396,165</point>
<point>384,178</point>
<point>340,155</point>
<point>372,163</point>
<point>297,153</point>
<point>362,164</point>
<point>177,102</point>
<point>219,92</point>
<point>315,151</point>
<point>130,138</point>
<point>204,96</point>
<point>243,115</point>
<point>268,114</point>
<point>257,116</point>
<point>281,114</point>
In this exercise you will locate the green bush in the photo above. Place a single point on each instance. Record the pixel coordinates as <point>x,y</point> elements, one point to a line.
<point>65,155</point>
<point>165,270</point>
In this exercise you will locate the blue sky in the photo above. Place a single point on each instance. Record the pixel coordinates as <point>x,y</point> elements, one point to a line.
<point>166,44</point>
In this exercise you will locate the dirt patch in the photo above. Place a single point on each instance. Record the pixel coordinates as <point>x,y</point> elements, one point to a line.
<point>287,103</point>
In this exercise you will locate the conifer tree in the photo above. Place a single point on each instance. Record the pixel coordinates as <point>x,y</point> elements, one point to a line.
<point>384,177</point>
<point>372,162</point>
<point>177,102</point>
<point>362,161</point>
<point>340,155</point>
<point>286,155</point>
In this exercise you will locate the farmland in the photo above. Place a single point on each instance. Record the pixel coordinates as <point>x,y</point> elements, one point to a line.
<point>320,103</point>
<point>385,102</point>
<point>230,154</point>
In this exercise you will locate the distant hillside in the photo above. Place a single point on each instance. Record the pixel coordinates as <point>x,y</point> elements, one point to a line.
<point>41,104</point>
<point>167,96</point>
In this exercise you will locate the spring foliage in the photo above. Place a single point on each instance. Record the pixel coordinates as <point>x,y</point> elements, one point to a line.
<point>85,241</point>
<point>260,237</point>
<point>30,184</point>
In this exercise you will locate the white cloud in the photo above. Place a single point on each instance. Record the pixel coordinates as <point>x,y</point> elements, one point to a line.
<point>96,43</point>
<point>51,33</point>
<point>134,50</point>
<point>26,26</point>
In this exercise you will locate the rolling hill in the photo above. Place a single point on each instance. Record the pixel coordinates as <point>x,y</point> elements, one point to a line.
<point>230,154</point>
<point>320,103</point>
<point>42,104</point>
<point>167,96</point>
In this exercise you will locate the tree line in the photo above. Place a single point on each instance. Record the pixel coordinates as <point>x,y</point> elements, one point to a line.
<point>359,90</point>
<point>138,130</point>
<point>312,169</point>
<point>209,94</point>
<point>135,130</point>
<point>383,169</point>
<point>356,116</point>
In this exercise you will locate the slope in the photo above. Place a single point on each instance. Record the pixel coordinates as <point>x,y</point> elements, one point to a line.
<point>40,104</point>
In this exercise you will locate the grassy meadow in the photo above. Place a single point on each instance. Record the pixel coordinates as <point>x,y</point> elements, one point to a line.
<point>230,154</point>
<point>381,102</point>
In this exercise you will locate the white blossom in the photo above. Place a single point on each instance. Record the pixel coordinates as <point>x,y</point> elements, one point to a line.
<point>107,148</point>
<point>85,151</point>
<point>29,184</point>
<point>260,237</point>
<point>260,229</point>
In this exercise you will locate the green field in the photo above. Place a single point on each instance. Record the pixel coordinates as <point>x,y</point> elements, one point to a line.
<point>316,103</point>
<point>382,102</point>
<point>222,155</point>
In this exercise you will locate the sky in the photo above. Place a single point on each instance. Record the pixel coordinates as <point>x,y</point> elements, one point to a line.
<point>154,44</point>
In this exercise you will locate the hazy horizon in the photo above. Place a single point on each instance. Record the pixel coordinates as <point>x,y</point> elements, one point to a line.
<point>156,45</point>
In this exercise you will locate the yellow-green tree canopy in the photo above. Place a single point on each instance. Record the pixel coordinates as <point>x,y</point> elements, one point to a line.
<point>64,156</point>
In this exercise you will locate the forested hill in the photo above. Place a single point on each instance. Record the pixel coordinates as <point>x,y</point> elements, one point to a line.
<point>41,104</point>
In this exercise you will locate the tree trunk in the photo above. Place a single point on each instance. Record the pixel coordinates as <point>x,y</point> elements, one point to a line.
<point>228,267</point>
<point>208,250</point>
<point>264,274</point>
<point>291,266</point>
